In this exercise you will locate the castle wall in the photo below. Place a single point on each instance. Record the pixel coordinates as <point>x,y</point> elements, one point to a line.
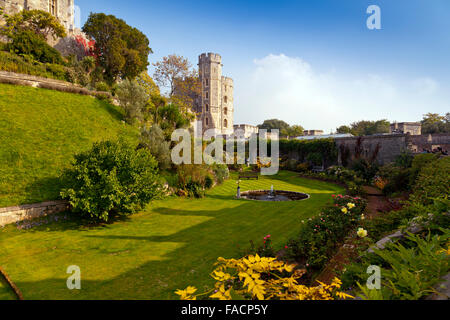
<point>62,9</point>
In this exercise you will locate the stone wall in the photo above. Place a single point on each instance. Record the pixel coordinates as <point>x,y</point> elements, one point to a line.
<point>46,83</point>
<point>61,9</point>
<point>30,211</point>
<point>391,146</point>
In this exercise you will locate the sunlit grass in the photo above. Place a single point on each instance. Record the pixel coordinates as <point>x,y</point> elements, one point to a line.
<point>40,131</point>
<point>174,243</point>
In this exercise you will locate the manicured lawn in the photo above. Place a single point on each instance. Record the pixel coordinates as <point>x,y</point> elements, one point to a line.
<point>174,243</point>
<point>40,131</point>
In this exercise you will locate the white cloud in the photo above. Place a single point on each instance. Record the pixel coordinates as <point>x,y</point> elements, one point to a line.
<point>289,88</point>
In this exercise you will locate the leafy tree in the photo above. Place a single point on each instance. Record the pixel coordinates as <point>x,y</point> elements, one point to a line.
<point>435,123</point>
<point>274,124</point>
<point>171,117</point>
<point>121,50</point>
<point>38,21</point>
<point>344,129</point>
<point>187,90</point>
<point>111,179</point>
<point>133,99</point>
<point>171,69</point>
<point>153,139</point>
<point>367,128</point>
<point>293,131</point>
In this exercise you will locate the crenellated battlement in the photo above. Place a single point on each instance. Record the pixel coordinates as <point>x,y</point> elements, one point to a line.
<point>210,57</point>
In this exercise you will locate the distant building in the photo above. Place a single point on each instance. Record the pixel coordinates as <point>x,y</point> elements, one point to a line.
<point>245,131</point>
<point>413,128</point>
<point>313,132</point>
<point>328,136</point>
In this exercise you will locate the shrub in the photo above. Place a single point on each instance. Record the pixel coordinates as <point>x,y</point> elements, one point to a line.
<point>132,98</point>
<point>28,43</point>
<point>433,181</point>
<point>102,86</point>
<point>319,235</point>
<point>262,278</point>
<point>192,179</point>
<point>153,139</point>
<point>111,179</point>
<point>409,270</point>
<point>221,172</point>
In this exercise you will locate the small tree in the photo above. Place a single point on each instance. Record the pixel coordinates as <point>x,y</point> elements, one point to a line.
<point>38,21</point>
<point>153,139</point>
<point>132,98</point>
<point>121,50</point>
<point>111,179</point>
<point>171,69</point>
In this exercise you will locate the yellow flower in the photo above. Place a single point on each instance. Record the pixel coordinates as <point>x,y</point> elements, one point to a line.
<point>363,217</point>
<point>344,210</point>
<point>187,293</point>
<point>351,205</point>
<point>362,233</point>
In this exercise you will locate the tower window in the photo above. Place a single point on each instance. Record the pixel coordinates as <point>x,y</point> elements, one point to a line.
<point>53,9</point>
<point>225,99</point>
<point>207,107</point>
<point>206,82</point>
<point>207,121</point>
<point>225,111</point>
<point>225,123</point>
<point>207,95</point>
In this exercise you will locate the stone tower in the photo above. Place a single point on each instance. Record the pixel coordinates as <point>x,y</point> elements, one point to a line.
<point>61,9</point>
<point>216,106</point>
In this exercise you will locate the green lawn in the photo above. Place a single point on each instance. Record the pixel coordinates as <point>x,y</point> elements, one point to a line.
<point>40,131</point>
<point>173,244</point>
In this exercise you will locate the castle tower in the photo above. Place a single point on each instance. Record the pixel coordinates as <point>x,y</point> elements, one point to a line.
<point>217,95</point>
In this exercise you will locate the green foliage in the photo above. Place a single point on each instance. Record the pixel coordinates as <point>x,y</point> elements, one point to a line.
<point>367,128</point>
<point>153,139</point>
<point>274,124</point>
<point>40,22</point>
<point>434,123</point>
<point>419,162</point>
<point>132,98</point>
<point>170,117</point>
<point>326,148</point>
<point>26,65</point>
<point>112,179</point>
<point>408,270</point>
<point>221,172</point>
<point>122,50</point>
<point>433,181</point>
<point>404,160</point>
<point>28,43</point>
<point>320,235</point>
<point>102,86</point>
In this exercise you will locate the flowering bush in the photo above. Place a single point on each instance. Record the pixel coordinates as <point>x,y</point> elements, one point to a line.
<point>265,278</point>
<point>320,235</point>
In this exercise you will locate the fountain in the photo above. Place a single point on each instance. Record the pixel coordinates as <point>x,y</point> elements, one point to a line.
<point>273,195</point>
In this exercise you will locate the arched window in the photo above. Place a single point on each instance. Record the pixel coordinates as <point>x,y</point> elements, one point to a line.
<point>207,95</point>
<point>225,123</point>
<point>225,99</point>
<point>207,107</point>
<point>207,121</point>
<point>225,111</point>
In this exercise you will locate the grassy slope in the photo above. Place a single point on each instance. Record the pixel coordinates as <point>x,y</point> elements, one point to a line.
<point>172,245</point>
<point>40,131</point>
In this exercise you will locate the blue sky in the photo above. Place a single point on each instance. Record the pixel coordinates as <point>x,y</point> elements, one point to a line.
<point>313,63</point>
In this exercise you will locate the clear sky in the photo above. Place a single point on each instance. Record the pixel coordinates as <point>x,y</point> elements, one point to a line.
<point>314,62</point>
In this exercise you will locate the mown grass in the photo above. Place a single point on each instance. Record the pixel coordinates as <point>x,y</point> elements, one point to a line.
<point>40,131</point>
<point>172,244</point>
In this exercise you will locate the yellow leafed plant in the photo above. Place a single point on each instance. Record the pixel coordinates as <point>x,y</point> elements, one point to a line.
<point>262,278</point>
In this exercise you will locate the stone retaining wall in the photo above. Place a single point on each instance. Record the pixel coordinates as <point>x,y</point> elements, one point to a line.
<point>46,83</point>
<point>25,212</point>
